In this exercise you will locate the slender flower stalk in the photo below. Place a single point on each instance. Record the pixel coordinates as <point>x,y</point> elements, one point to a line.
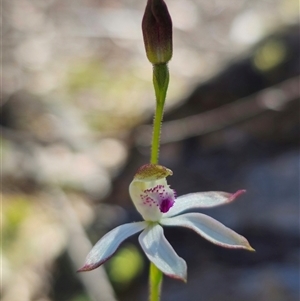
<point>157,34</point>
<point>161,83</point>
<point>155,282</point>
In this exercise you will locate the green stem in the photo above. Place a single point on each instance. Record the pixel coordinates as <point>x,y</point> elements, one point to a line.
<point>160,83</point>
<point>156,134</point>
<point>155,279</point>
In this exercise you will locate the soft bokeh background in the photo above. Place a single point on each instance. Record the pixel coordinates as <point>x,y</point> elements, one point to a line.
<point>77,102</point>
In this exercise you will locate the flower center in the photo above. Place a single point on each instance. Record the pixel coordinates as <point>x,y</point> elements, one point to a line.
<point>159,196</point>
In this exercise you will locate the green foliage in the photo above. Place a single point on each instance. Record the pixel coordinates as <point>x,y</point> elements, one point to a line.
<point>86,75</point>
<point>270,55</point>
<point>15,211</point>
<point>125,266</point>
<point>106,95</point>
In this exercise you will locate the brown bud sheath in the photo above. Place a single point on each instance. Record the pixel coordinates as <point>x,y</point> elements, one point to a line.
<point>157,32</point>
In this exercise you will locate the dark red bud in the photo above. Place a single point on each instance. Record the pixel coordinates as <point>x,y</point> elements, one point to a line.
<point>157,32</point>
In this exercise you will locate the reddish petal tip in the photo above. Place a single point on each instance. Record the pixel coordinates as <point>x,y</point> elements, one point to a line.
<point>88,267</point>
<point>83,269</point>
<point>177,277</point>
<point>236,195</point>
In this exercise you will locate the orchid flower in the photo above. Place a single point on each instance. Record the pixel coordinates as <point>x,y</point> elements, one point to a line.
<point>159,206</point>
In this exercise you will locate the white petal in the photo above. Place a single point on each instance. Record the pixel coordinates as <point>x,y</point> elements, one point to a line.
<point>161,253</point>
<point>201,200</point>
<point>210,229</point>
<point>109,243</point>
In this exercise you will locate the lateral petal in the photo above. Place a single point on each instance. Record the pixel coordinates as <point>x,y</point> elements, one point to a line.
<point>210,229</point>
<point>109,243</point>
<point>201,200</point>
<point>160,252</point>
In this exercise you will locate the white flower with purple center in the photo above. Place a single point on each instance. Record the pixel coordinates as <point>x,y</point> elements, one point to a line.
<point>159,206</point>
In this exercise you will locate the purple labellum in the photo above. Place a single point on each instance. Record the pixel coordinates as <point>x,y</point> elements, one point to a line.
<point>160,196</point>
<point>166,204</point>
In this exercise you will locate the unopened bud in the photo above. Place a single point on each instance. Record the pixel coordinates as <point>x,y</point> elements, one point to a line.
<point>157,32</point>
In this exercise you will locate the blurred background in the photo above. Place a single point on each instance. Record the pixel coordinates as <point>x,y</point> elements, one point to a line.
<point>77,105</point>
